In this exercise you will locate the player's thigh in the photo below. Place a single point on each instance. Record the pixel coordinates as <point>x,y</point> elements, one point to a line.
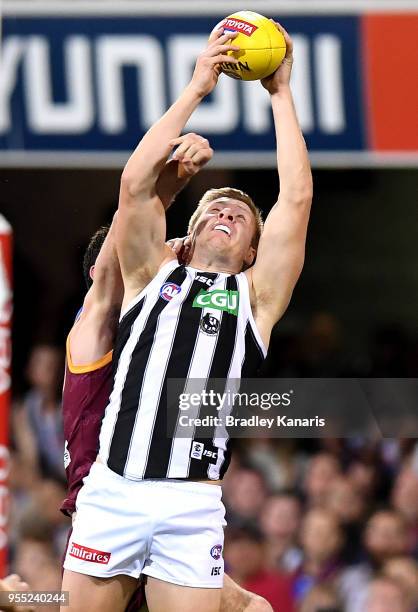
<point>164,596</point>
<point>91,594</point>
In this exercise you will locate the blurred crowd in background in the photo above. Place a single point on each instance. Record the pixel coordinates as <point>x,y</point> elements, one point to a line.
<point>313,525</point>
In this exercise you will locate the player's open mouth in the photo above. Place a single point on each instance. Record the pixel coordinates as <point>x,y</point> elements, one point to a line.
<point>223,228</point>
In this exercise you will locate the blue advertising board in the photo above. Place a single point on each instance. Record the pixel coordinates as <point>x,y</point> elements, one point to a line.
<point>90,85</point>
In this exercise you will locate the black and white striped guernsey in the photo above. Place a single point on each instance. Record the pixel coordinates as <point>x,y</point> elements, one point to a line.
<point>186,324</point>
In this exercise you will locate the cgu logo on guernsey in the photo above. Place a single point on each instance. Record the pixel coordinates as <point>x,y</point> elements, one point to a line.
<point>220,299</point>
<point>169,290</point>
<point>89,554</point>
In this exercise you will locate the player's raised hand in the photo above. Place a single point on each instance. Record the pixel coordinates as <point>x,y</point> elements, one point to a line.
<point>208,69</point>
<point>193,152</point>
<point>281,77</point>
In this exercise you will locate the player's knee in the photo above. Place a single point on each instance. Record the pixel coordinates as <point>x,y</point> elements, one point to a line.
<point>258,604</point>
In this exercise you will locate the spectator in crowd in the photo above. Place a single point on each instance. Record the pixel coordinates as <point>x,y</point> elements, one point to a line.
<point>344,501</point>
<point>322,541</point>
<point>280,521</point>
<point>322,470</point>
<point>46,499</point>
<point>41,501</point>
<point>405,501</point>
<point>37,422</point>
<point>321,598</point>
<point>276,462</point>
<point>385,538</point>
<point>36,559</point>
<point>385,595</point>
<point>364,475</point>
<point>244,496</point>
<point>245,562</point>
<point>404,571</point>
<point>349,507</point>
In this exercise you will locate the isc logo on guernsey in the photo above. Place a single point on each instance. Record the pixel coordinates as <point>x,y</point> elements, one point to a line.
<point>89,554</point>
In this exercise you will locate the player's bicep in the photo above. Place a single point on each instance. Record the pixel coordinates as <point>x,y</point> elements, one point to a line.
<point>281,253</point>
<point>140,235</point>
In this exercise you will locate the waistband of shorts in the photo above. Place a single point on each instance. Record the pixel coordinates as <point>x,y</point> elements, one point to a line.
<point>191,486</point>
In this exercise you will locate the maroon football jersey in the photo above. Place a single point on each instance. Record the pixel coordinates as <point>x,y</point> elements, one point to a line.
<point>85,397</point>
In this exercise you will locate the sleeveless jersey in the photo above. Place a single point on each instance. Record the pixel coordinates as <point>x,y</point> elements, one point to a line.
<point>85,396</point>
<point>186,324</point>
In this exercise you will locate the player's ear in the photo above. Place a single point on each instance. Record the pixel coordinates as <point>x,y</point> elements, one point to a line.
<point>91,272</point>
<point>251,253</point>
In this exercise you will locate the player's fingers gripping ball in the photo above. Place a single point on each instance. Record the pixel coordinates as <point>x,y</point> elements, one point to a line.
<point>262,46</point>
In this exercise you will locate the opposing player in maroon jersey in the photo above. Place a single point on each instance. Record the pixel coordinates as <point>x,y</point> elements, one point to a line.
<point>88,379</point>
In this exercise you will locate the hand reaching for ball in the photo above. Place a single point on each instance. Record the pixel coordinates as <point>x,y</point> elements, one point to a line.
<point>208,64</point>
<point>281,77</point>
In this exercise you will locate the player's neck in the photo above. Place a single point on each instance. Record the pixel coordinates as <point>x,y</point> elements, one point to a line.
<point>213,263</point>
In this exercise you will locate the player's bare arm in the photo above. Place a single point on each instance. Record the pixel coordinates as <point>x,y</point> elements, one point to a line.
<point>281,249</point>
<point>92,336</point>
<point>141,229</point>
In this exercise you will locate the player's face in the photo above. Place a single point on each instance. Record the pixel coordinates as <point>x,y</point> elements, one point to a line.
<point>228,225</point>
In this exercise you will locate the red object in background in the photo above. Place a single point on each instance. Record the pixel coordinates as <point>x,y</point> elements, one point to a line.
<point>274,587</point>
<point>391,60</point>
<point>5,379</point>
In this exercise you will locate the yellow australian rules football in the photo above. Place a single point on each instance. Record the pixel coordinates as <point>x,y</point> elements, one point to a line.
<point>262,46</point>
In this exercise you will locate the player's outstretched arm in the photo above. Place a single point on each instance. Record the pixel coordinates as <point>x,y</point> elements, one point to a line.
<point>141,225</point>
<point>107,288</point>
<point>92,335</point>
<point>281,250</point>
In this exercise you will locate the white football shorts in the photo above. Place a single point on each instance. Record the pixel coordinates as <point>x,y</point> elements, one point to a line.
<point>167,529</point>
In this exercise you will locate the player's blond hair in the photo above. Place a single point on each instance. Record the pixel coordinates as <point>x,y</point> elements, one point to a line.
<point>234,194</point>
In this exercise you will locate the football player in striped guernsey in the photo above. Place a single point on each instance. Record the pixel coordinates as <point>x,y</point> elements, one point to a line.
<point>88,380</point>
<point>151,503</point>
